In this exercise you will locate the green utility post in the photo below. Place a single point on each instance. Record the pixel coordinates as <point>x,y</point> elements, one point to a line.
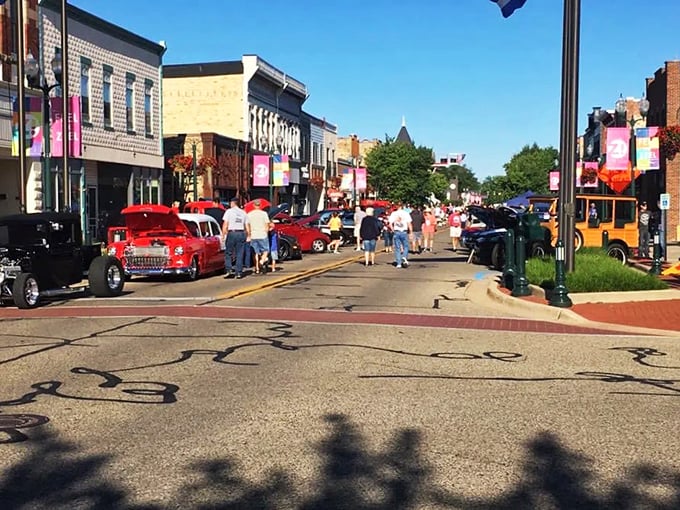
<point>509,268</point>
<point>521,284</point>
<point>605,241</point>
<point>656,264</point>
<point>559,296</point>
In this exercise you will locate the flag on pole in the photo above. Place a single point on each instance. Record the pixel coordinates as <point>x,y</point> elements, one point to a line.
<point>508,6</point>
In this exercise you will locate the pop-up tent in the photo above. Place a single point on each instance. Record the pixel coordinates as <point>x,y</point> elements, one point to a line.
<point>520,200</point>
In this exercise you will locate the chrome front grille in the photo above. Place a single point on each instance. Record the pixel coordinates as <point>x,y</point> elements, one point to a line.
<point>144,262</point>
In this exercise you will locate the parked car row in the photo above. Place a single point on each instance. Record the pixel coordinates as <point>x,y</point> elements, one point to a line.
<point>488,243</point>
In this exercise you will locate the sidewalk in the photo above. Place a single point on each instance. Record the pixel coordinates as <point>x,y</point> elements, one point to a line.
<point>656,312</point>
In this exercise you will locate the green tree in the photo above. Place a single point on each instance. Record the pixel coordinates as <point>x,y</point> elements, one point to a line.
<point>466,177</point>
<point>401,172</point>
<point>529,169</point>
<point>496,189</point>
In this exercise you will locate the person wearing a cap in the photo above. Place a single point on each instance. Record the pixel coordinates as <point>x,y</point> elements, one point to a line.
<point>235,232</point>
<point>260,225</point>
<point>644,221</point>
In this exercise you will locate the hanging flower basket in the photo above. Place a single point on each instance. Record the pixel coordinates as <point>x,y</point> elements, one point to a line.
<point>669,141</point>
<point>588,176</point>
<point>180,162</point>
<point>207,162</point>
<point>316,182</point>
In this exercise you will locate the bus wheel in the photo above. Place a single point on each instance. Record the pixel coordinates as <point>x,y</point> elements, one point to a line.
<point>618,251</point>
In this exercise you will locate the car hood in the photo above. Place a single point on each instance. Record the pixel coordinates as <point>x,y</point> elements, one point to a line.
<point>153,219</point>
<point>273,211</point>
<point>502,217</point>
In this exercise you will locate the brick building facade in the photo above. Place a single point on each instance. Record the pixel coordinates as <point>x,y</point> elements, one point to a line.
<point>663,92</point>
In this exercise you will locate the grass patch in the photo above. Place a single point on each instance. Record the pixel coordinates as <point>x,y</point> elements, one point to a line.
<point>594,271</point>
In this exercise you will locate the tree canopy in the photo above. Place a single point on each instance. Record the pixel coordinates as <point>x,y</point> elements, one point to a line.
<point>528,170</point>
<point>403,172</point>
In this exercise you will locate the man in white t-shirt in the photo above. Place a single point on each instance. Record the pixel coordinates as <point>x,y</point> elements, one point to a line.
<point>401,224</point>
<point>260,224</point>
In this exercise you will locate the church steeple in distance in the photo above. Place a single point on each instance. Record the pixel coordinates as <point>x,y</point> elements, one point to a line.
<point>403,136</point>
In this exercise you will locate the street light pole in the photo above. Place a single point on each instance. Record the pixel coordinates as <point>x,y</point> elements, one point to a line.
<point>621,109</point>
<point>36,80</point>
<point>354,182</point>
<point>21,92</point>
<point>568,127</point>
<point>65,106</point>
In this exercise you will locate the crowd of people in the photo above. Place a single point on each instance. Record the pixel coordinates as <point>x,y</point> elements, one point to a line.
<point>403,229</point>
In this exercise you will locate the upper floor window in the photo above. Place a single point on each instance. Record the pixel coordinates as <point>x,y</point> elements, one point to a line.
<point>316,157</point>
<point>148,106</point>
<point>130,101</point>
<point>85,67</point>
<point>107,96</point>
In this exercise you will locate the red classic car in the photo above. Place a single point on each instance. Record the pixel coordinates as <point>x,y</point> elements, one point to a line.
<point>158,241</point>
<point>309,238</point>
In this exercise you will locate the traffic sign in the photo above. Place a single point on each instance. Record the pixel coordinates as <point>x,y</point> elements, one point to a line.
<point>665,201</point>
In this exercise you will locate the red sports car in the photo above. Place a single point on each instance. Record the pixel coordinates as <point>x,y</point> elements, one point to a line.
<point>158,241</point>
<point>310,239</point>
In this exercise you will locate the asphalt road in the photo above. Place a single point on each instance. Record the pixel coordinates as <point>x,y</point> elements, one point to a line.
<point>162,411</point>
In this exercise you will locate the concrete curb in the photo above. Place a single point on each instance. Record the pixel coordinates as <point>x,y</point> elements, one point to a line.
<point>533,310</point>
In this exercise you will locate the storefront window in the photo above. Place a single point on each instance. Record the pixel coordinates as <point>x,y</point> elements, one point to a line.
<point>146,188</point>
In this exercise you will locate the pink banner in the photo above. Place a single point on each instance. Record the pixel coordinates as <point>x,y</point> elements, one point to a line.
<point>74,127</point>
<point>586,176</point>
<point>617,148</point>
<point>361,179</point>
<point>260,170</point>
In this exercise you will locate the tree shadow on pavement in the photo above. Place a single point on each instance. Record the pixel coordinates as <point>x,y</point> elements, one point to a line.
<point>352,475</point>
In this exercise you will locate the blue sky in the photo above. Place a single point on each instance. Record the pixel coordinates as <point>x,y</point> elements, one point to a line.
<point>466,79</point>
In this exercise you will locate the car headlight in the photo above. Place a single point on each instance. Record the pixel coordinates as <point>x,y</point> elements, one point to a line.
<point>179,250</point>
<point>111,251</point>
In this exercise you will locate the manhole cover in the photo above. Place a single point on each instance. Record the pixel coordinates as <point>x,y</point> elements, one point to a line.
<point>21,421</point>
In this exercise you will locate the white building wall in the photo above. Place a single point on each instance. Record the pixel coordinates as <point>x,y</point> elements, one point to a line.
<point>100,144</point>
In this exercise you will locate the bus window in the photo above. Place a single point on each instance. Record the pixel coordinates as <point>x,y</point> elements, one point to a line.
<point>624,213</point>
<point>604,210</point>
<point>580,210</point>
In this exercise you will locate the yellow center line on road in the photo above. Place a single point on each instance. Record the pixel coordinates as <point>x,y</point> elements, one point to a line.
<point>269,283</point>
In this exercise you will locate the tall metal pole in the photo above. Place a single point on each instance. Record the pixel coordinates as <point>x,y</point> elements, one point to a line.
<point>66,203</point>
<point>271,179</point>
<point>21,93</point>
<point>568,127</point>
<point>354,183</point>
<point>193,170</point>
<point>47,164</point>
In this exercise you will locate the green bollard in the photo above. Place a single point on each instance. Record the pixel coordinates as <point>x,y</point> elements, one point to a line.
<point>521,286</point>
<point>605,241</point>
<point>509,269</point>
<point>656,264</point>
<point>560,294</point>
